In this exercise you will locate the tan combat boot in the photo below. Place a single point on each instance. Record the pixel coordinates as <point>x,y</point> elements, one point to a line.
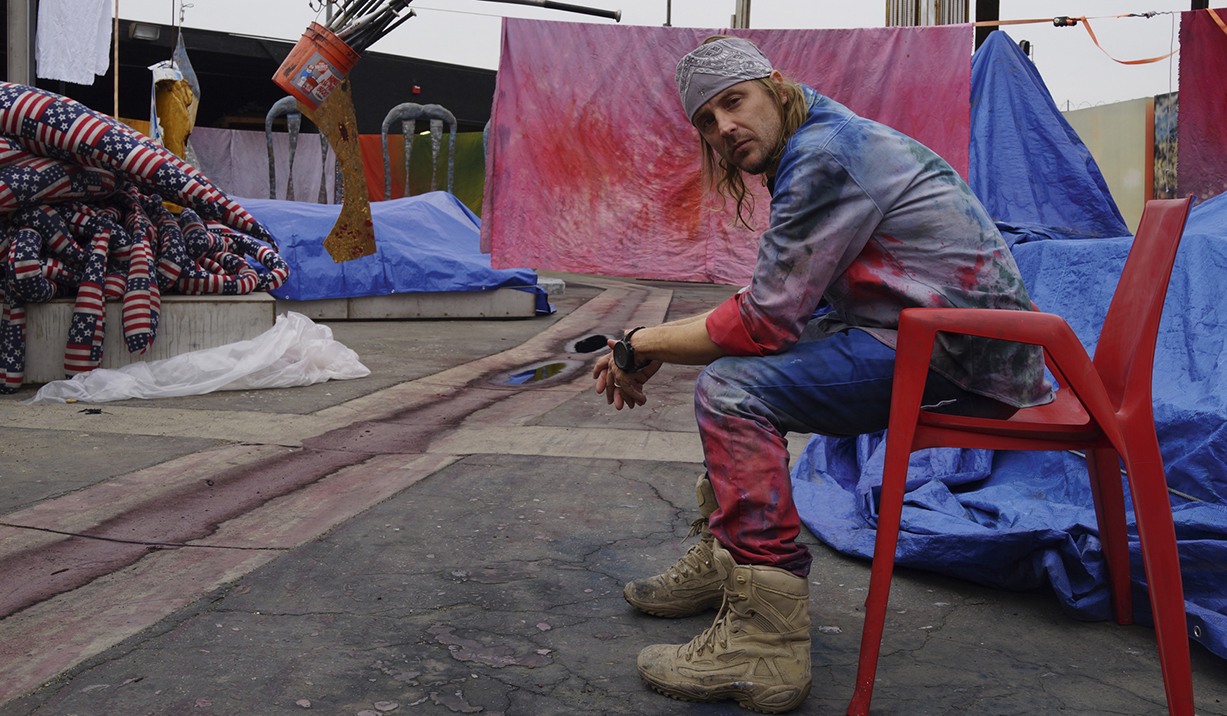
<point>756,652</point>
<point>693,584</point>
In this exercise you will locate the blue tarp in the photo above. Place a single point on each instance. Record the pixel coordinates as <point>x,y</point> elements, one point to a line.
<point>1020,520</point>
<point>423,243</point>
<point>1026,163</point>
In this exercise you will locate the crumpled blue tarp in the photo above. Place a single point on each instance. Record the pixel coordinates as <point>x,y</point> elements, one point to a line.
<point>1027,165</point>
<point>1019,520</point>
<point>425,243</point>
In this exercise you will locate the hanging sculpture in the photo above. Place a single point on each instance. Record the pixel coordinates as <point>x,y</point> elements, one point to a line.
<point>288,107</point>
<point>408,114</point>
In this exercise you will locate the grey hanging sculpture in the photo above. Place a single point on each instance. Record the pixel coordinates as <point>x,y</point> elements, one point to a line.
<point>408,114</point>
<point>288,107</point>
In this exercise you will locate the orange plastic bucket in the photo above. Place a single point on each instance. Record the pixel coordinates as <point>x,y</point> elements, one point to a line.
<point>317,64</point>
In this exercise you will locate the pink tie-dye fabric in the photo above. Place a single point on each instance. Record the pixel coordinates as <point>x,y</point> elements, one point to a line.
<point>593,167</point>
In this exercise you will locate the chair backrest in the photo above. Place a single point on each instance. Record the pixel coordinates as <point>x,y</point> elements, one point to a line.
<point>440,116</point>
<point>1125,354</point>
<point>408,114</point>
<point>288,107</point>
<point>404,113</point>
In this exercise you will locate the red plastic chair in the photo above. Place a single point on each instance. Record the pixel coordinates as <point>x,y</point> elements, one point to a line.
<point>1102,407</point>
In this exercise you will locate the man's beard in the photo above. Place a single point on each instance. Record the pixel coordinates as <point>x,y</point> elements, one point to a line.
<point>766,164</point>
<point>760,166</point>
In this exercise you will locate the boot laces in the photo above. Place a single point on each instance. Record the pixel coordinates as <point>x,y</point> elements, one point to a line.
<point>693,561</point>
<point>717,635</point>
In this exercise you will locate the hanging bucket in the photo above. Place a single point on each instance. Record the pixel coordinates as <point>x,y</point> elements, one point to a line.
<point>317,64</point>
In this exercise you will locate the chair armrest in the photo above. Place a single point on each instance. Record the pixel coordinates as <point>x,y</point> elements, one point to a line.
<point>1032,327</point>
<point>1071,365</point>
<point>1047,330</point>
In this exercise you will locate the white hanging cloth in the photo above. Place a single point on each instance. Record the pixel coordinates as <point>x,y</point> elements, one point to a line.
<point>73,40</point>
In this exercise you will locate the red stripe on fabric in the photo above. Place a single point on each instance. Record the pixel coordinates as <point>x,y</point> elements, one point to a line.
<point>29,104</point>
<point>114,287</point>
<point>48,134</point>
<point>27,269</point>
<point>142,162</point>
<point>88,130</point>
<point>52,191</point>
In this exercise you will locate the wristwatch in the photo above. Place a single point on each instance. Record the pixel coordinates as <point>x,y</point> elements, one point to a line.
<point>624,355</point>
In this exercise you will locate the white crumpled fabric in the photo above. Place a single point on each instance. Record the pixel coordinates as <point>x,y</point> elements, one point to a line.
<point>295,351</point>
<point>73,40</point>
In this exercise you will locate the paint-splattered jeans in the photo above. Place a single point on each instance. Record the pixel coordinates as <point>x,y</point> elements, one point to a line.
<point>838,386</point>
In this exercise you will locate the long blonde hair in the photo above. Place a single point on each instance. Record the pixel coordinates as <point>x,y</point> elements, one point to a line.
<point>727,180</point>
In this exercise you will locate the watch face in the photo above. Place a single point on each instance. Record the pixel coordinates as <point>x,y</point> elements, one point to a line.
<point>621,356</point>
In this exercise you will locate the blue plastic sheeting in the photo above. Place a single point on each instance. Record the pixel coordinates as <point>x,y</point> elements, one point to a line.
<point>425,243</point>
<point>1027,165</point>
<point>1020,520</point>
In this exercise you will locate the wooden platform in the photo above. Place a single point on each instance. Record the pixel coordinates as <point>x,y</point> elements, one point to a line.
<point>190,323</point>
<point>187,323</point>
<point>499,303</point>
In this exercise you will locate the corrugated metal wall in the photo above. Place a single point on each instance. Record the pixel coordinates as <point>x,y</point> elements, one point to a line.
<point>911,13</point>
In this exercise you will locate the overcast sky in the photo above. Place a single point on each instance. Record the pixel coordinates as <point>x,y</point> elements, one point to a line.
<point>466,32</point>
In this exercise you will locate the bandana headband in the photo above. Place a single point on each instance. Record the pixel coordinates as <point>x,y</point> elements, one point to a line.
<point>714,67</point>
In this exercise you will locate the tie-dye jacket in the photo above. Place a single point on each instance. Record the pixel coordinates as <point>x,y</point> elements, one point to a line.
<point>875,222</point>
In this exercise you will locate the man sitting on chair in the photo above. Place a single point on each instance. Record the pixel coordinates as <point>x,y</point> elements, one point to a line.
<point>865,222</point>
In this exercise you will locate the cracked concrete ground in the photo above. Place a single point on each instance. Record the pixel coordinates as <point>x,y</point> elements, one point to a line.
<point>457,547</point>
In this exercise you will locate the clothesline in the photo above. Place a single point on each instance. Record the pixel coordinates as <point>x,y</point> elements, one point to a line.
<point>1066,21</point>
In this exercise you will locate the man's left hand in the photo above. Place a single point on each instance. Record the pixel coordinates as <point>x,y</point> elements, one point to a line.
<point>622,388</point>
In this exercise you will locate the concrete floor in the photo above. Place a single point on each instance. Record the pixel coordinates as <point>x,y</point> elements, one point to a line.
<point>431,540</point>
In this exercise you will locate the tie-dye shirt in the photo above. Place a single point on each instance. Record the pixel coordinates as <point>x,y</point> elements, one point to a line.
<point>873,222</point>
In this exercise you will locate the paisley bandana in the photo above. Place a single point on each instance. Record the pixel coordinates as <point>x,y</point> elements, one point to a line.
<point>714,67</point>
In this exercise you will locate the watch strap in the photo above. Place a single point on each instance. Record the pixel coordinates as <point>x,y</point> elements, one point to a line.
<point>630,349</point>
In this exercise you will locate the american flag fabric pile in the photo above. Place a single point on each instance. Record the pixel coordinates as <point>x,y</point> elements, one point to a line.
<point>81,216</point>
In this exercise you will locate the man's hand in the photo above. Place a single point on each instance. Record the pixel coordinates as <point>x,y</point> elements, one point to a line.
<point>621,388</point>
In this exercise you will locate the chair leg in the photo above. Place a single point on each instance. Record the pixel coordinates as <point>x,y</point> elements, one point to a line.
<point>1157,533</point>
<point>1103,464</point>
<point>890,514</point>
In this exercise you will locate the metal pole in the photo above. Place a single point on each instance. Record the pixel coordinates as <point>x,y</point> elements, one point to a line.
<point>741,16</point>
<point>21,16</point>
<point>668,13</point>
<point>986,10</point>
<point>115,60</point>
<point>615,15</point>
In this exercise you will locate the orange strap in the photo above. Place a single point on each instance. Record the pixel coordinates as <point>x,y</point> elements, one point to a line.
<point>1057,21</point>
<point>1147,61</point>
<point>1075,20</point>
<point>1217,19</point>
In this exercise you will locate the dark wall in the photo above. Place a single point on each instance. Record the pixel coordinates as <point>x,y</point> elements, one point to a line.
<point>237,90</point>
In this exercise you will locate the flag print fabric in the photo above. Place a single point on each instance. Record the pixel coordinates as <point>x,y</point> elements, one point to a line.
<point>82,217</point>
